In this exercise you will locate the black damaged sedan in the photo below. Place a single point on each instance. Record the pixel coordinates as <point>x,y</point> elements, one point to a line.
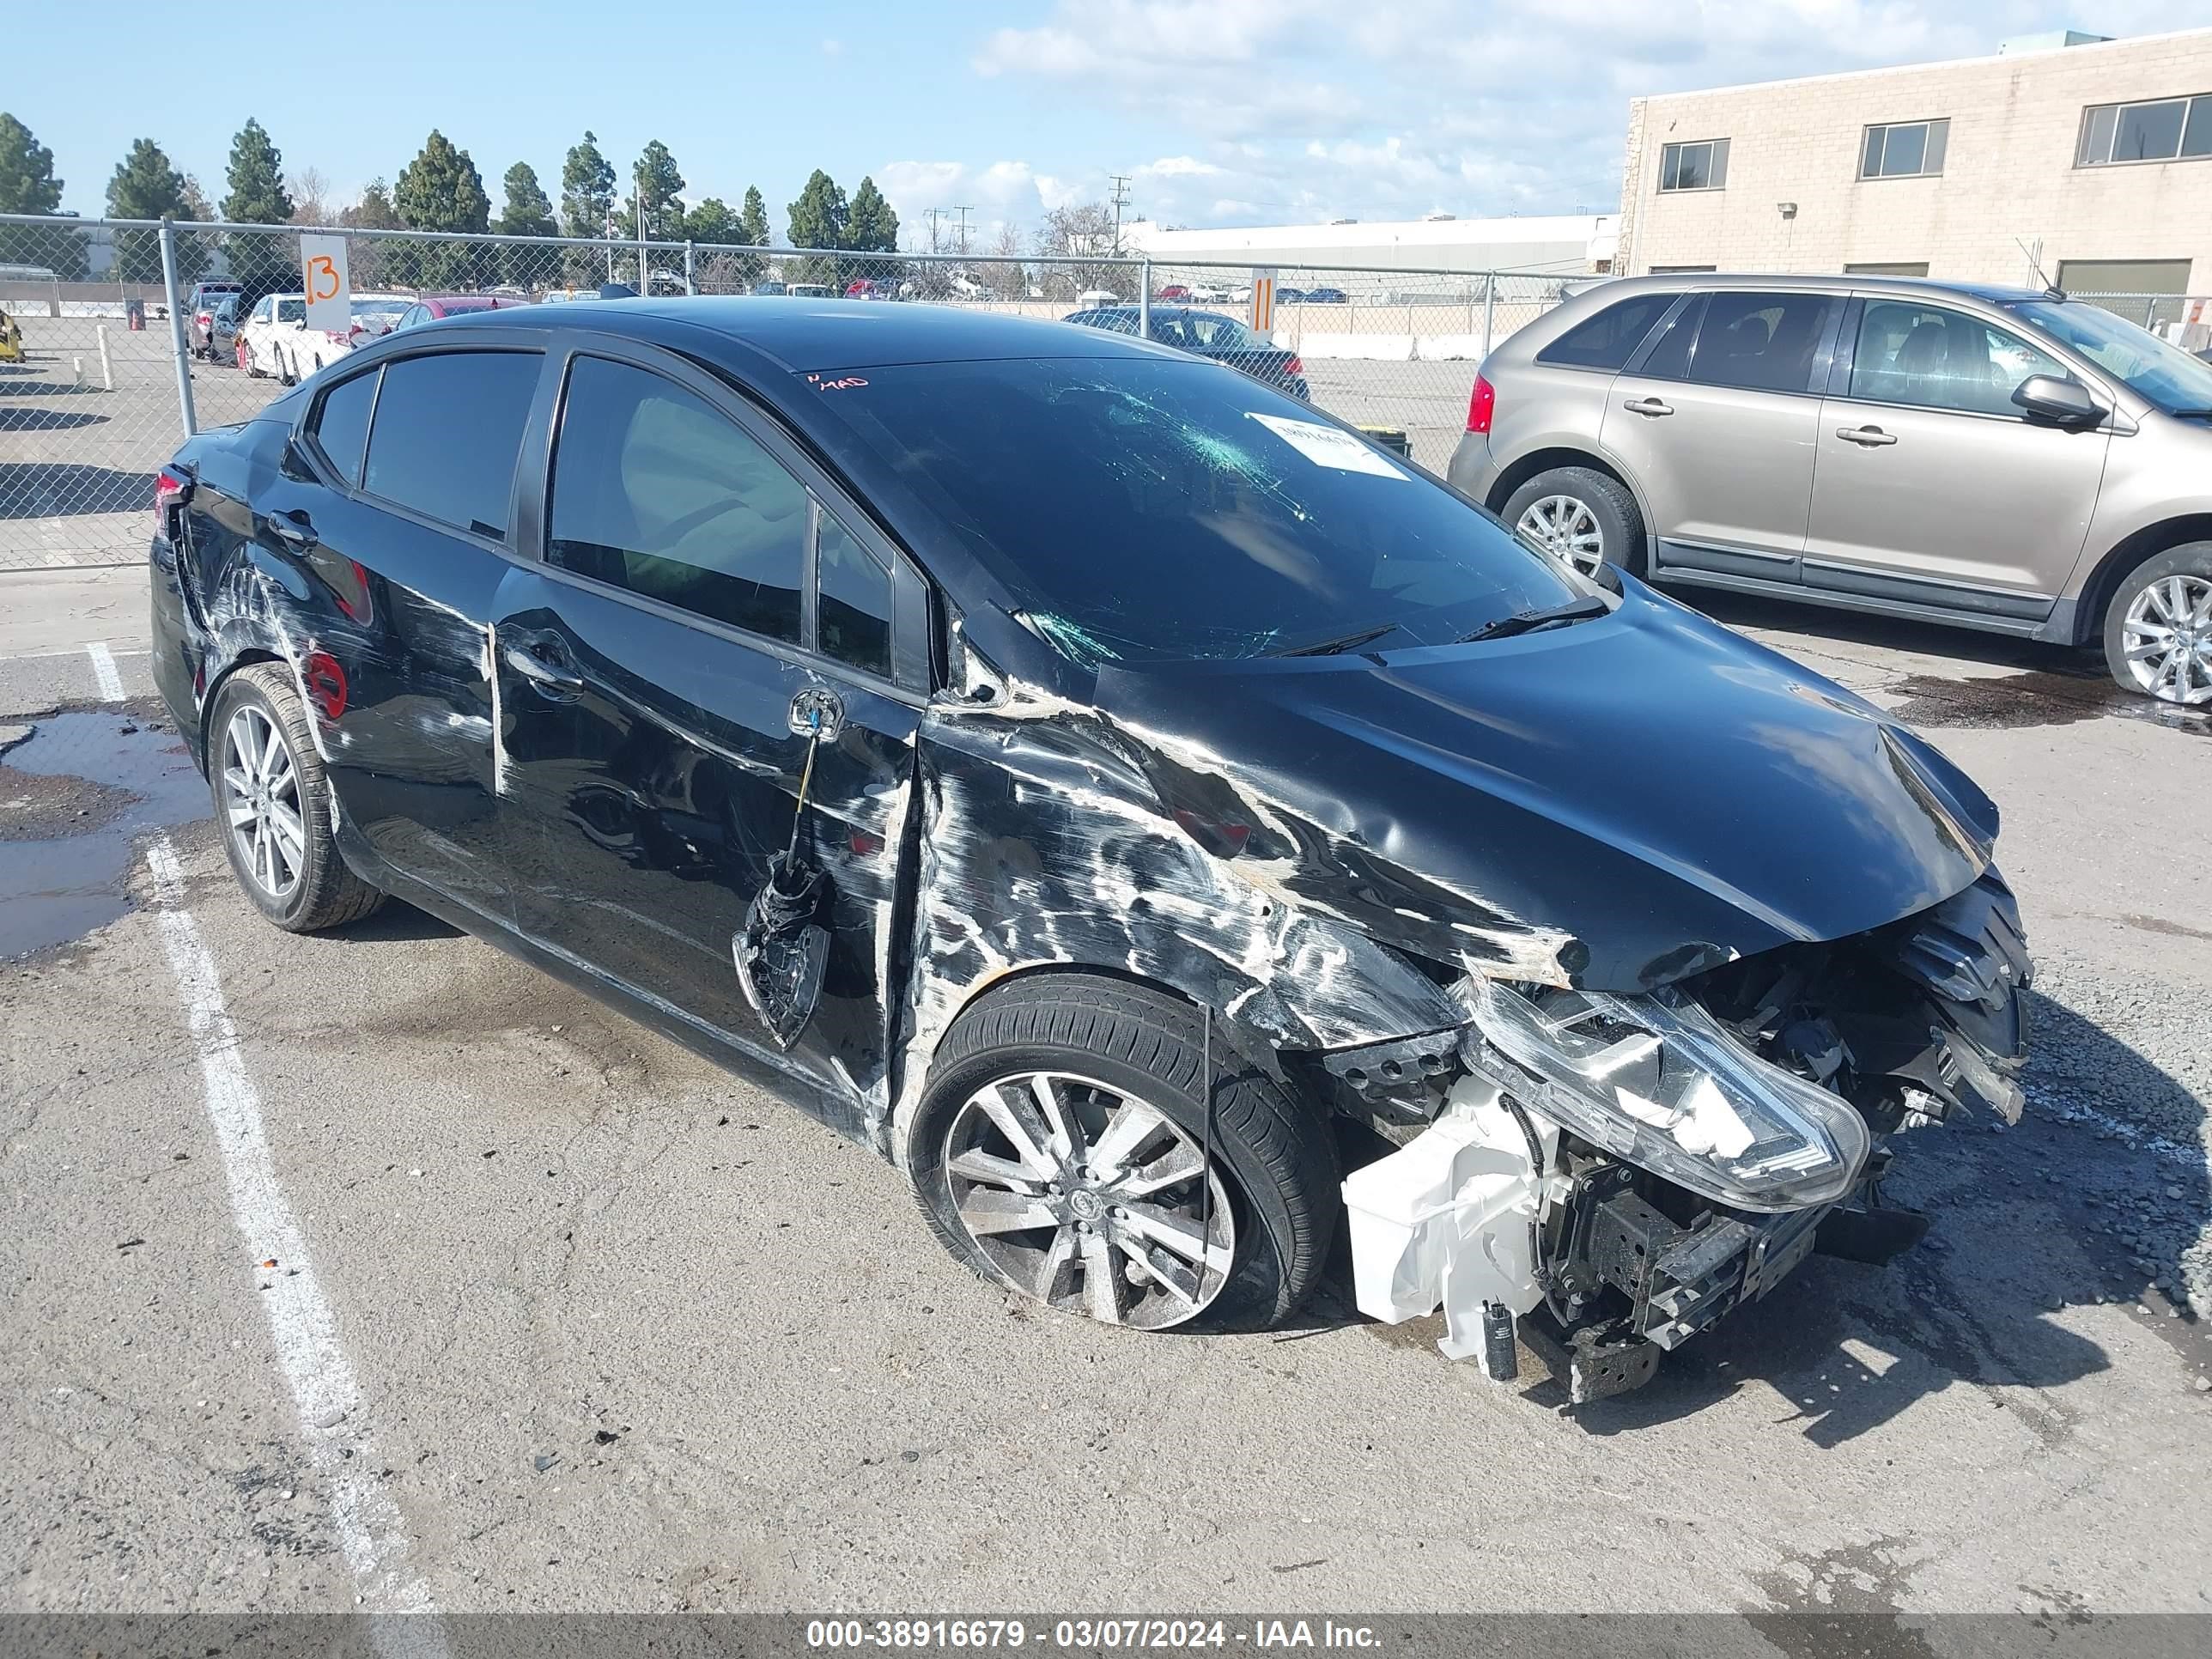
<point>1162,823</point>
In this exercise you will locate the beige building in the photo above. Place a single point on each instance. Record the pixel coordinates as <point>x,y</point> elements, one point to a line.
<point>2096,155</point>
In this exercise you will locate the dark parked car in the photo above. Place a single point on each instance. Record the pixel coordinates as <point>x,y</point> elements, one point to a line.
<point>1207,334</point>
<point>1326,296</point>
<point>1084,776</point>
<point>212,328</point>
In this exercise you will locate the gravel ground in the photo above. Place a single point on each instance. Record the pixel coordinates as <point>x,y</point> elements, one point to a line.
<point>624,1334</point>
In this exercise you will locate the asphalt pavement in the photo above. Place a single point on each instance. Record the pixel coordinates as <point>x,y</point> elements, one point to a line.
<point>376,1270</point>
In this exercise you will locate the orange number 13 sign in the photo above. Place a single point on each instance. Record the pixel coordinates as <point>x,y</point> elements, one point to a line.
<point>323,271</point>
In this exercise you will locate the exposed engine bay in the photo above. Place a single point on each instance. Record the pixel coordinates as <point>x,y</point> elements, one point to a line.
<point>1604,1176</point>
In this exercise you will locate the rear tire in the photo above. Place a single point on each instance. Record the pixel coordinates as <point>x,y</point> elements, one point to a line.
<point>1095,1041</point>
<point>2161,612</point>
<point>1581,517</point>
<point>287,865</point>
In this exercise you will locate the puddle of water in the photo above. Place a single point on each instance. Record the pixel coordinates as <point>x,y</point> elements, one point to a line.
<point>74,798</point>
<point>2036,698</point>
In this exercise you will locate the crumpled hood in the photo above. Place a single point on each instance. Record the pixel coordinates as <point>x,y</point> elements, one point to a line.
<point>1621,802</point>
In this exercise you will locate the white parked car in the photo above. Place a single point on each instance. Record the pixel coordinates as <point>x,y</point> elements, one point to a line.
<point>1208,294</point>
<point>270,334</point>
<point>807,291</point>
<point>374,315</point>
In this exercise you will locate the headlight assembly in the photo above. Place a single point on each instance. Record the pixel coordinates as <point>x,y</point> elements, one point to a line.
<point>1657,1082</point>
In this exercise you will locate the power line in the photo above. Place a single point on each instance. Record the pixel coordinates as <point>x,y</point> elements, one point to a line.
<point>1121,200</point>
<point>964,210</point>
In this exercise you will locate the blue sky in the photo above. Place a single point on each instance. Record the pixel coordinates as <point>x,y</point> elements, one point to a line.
<point>1221,110</point>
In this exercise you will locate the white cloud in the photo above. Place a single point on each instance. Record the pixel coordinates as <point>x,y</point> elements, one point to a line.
<point>1314,109</point>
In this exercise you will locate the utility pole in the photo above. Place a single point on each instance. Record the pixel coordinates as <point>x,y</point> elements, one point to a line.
<point>1121,200</point>
<point>934,215</point>
<point>964,210</point>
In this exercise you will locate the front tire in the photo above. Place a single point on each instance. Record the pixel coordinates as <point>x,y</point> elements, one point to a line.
<point>1058,1151</point>
<point>272,805</point>
<point>1581,517</point>
<point>2158,628</point>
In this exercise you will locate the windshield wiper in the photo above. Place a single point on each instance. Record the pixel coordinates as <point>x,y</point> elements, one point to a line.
<point>2188,414</point>
<point>1341,642</point>
<point>1524,622</point>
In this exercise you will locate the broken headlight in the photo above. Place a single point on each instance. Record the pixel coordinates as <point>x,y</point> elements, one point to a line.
<point>1659,1083</point>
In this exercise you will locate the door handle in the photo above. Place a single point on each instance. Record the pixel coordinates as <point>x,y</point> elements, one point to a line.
<point>293,529</point>
<point>542,659</point>
<point>1652,406</point>
<point>1873,437</point>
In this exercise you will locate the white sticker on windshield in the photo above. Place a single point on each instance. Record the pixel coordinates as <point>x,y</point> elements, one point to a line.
<point>1324,446</point>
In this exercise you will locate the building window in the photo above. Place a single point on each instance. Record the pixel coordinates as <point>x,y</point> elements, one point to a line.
<point>2162,130</point>
<point>1905,149</point>
<point>1701,166</point>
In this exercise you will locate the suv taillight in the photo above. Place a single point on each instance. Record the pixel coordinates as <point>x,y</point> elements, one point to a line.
<point>1481,406</point>
<point>173,488</point>
<point>1295,366</point>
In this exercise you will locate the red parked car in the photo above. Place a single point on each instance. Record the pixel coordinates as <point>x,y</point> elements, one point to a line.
<point>429,307</point>
<point>1173,291</point>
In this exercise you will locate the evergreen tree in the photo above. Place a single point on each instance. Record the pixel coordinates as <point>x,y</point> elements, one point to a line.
<point>439,190</point>
<point>368,258</point>
<point>258,195</point>
<point>752,219</point>
<point>656,200</point>
<point>711,221</point>
<point>587,195</point>
<point>145,187</point>
<point>27,184</point>
<point>527,213</point>
<point>817,220</point>
<point>870,224</point>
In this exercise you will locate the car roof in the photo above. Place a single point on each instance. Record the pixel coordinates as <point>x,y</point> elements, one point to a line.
<point>806,335</point>
<point>1162,311</point>
<point>1695,281</point>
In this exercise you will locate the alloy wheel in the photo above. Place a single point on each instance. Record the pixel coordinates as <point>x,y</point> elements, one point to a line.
<point>261,803</point>
<point>1566,529</point>
<point>1090,1200</point>
<point>2167,637</point>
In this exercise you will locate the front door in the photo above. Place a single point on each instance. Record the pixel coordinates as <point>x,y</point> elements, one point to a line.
<point>702,592</point>
<point>1932,487</point>
<point>1717,422</point>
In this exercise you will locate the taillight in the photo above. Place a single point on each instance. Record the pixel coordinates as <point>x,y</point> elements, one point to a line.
<point>207,319</point>
<point>1295,366</point>
<point>1482,406</point>
<point>173,488</point>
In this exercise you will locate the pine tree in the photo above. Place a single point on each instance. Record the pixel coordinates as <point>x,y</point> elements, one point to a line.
<point>871,225</point>
<point>145,187</point>
<point>527,213</point>
<point>711,221</point>
<point>369,258</point>
<point>258,195</point>
<point>656,200</point>
<point>439,190</point>
<point>818,219</point>
<point>587,195</point>
<point>27,184</point>
<point>752,219</point>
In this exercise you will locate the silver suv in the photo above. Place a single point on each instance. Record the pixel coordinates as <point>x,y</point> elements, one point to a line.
<point>1996,458</point>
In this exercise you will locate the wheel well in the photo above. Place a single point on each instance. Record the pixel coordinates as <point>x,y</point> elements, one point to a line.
<point>2146,543</point>
<point>244,660</point>
<point>1543,460</point>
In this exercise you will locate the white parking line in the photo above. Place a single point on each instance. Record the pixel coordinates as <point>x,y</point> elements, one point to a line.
<point>315,1367</point>
<point>103,671</point>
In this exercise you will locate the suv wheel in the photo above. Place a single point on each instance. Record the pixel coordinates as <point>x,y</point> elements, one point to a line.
<point>272,805</point>
<point>1580,517</point>
<point>1058,1151</point>
<point>2158,628</point>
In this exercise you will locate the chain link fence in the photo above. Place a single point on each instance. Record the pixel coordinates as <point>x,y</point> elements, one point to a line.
<point>2184,319</point>
<point>130,334</point>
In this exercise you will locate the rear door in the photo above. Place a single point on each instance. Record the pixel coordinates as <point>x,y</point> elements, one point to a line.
<point>1932,487</point>
<point>1716,418</point>
<point>701,586</point>
<point>399,514</point>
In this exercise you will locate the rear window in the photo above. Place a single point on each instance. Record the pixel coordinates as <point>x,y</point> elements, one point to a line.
<point>341,425</point>
<point>291,311</point>
<point>448,432</point>
<point>1610,339</point>
<point>1142,509</point>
